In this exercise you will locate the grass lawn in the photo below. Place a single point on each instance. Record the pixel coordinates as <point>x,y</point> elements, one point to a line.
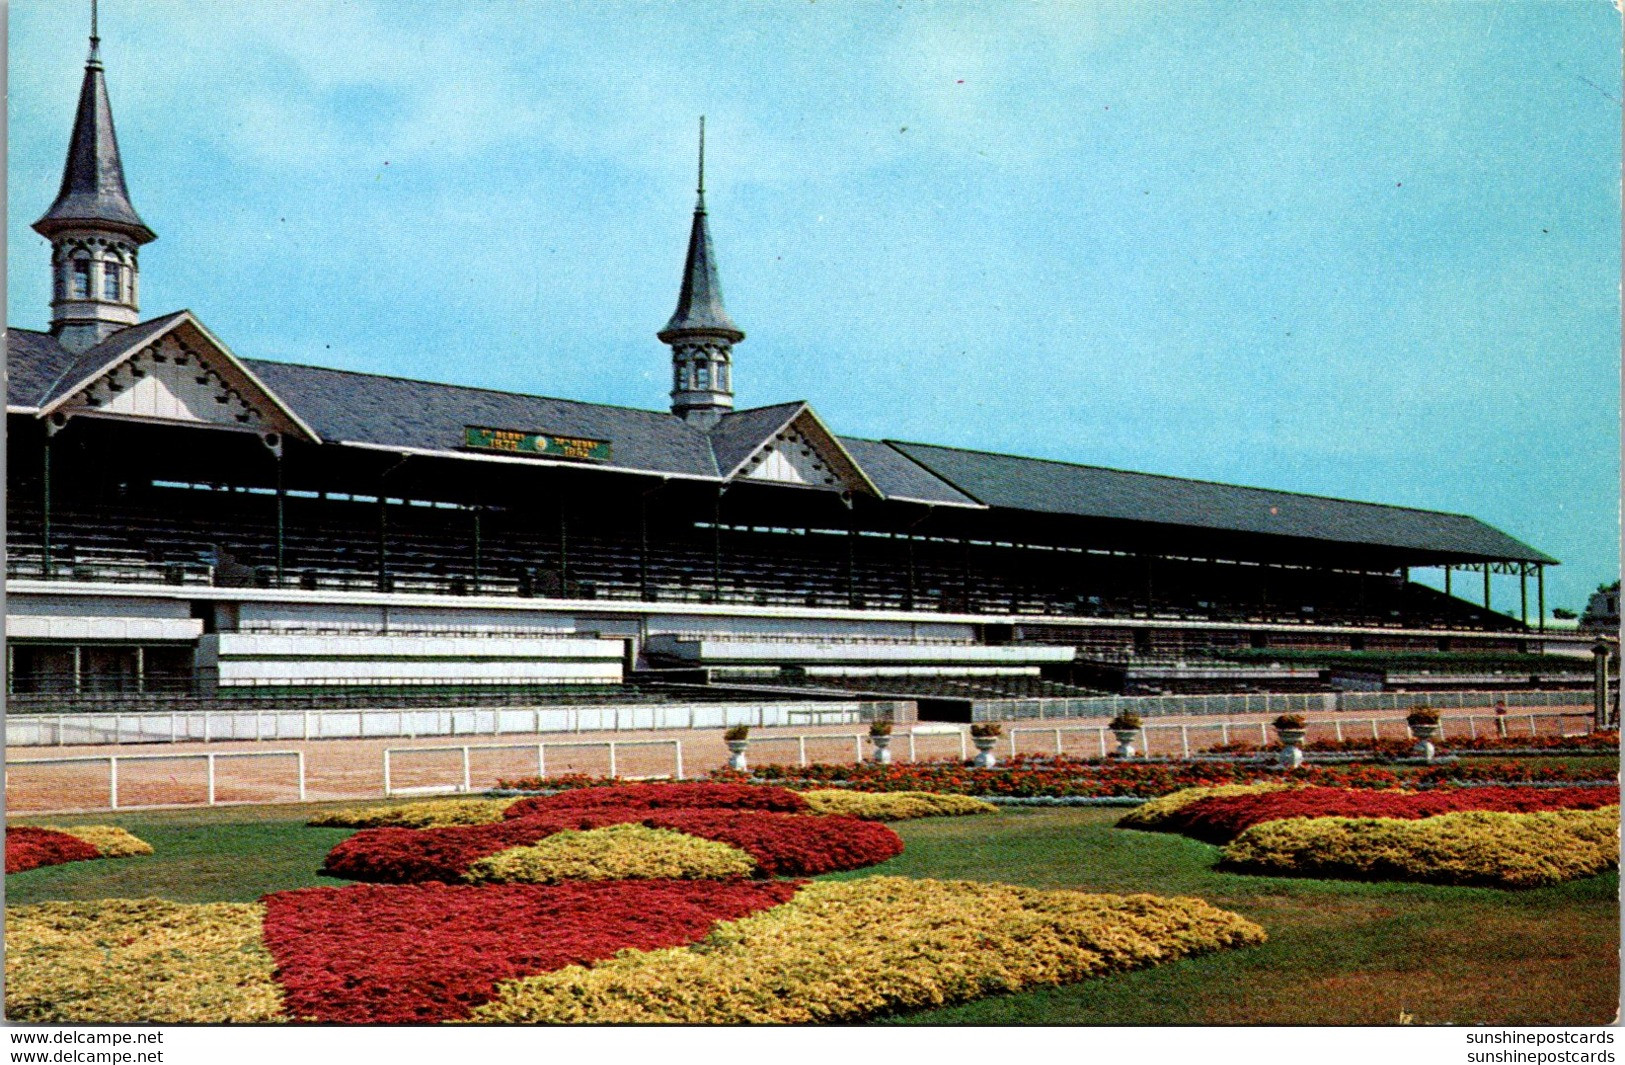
<point>1339,952</point>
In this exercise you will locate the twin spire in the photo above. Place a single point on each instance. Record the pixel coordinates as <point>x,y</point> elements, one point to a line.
<point>94,231</point>
<point>95,234</point>
<point>700,332</point>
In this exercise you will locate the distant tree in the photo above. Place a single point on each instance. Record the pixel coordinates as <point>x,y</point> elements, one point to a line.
<point>1606,588</point>
<point>1563,615</point>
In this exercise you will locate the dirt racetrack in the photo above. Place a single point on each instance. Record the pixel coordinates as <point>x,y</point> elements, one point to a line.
<point>178,774</point>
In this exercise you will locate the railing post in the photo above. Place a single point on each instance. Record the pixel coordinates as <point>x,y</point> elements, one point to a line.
<point>857,748</point>
<point>801,750</point>
<point>541,761</point>
<point>962,752</point>
<point>1185,740</point>
<point>911,757</point>
<point>1224,733</point>
<point>1102,734</point>
<point>678,744</point>
<point>1337,727</point>
<point>1376,730</point>
<point>112,781</point>
<point>210,757</point>
<point>301,756</point>
<point>612,771</point>
<point>468,781</point>
<point>387,788</point>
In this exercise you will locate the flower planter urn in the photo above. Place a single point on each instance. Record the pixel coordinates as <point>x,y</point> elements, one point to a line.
<point>736,754</point>
<point>1291,746</point>
<point>984,752</point>
<point>1425,735</point>
<point>1125,741</point>
<point>882,755</point>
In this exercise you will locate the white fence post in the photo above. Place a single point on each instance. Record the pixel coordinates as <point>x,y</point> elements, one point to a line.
<point>801,750</point>
<point>613,774</point>
<point>1185,740</point>
<point>911,757</point>
<point>1102,734</point>
<point>541,761</point>
<point>112,781</point>
<point>301,755</point>
<point>679,754</point>
<point>962,754</point>
<point>468,782</point>
<point>211,778</point>
<point>387,789</point>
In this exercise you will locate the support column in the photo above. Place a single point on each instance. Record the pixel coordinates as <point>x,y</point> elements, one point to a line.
<point>716,548</point>
<point>281,520</point>
<point>1540,592</point>
<point>383,538</point>
<point>1523,592</point>
<point>1447,572</point>
<point>851,566</point>
<point>475,587</point>
<point>1486,586</point>
<point>140,669</point>
<point>908,598</point>
<point>45,504</point>
<point>643,548</point>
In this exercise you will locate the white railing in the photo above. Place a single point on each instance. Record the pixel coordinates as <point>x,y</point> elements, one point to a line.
<point>114,761</point>
<point>466,752</point>
<point>210,726</point>
<point>1177,738</point>
<point>1266,703</point>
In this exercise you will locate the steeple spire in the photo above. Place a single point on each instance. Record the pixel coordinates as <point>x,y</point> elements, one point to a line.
<point>700,332</point>
<point>93,228</point>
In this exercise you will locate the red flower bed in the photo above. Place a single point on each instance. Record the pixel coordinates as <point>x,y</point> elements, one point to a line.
<point>788,844</point>
<point>1221,819</point>
<point>416,855</point>
<point>663,797</point>
<point>431,952</point>
<point>30,848</point>
<point>782,844</point>
<point>1030,776</point>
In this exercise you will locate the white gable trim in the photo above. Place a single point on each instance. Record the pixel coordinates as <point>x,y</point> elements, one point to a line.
<point>802,451</point>
<point>158,379</point>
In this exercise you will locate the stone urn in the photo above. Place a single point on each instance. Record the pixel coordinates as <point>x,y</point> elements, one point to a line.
<point>736,754</point>
<point>985,758</point>
<point>882,753</point>
<point>1291,746</point>
<point>1125,741</point>
<point>1425,732</point>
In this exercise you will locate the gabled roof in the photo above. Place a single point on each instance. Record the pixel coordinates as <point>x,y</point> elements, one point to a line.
<point>96,361</point>
<point>1050,487</point>
<point>738,434</point>
<point>395,412</point>
<point>93,189</point>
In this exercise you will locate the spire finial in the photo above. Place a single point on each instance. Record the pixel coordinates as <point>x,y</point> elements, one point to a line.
<point>701,189</point>
<point>95,37</point>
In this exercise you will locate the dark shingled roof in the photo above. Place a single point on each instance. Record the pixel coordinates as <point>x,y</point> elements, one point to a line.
<point>34,362</point>
<point>396,412</point>
<point>897,475</point>
<point>1096,492</point>
<point>737,435</point>
<point>93,187</point>
<point>389,412</point>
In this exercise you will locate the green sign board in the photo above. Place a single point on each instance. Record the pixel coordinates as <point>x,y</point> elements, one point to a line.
<point>550,445</point>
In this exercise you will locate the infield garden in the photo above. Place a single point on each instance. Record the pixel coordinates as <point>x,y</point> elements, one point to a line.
<point>1482,891</point>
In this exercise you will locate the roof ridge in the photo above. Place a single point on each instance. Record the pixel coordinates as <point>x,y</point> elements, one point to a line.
<point>666,415</point>
<point>1186,480</point>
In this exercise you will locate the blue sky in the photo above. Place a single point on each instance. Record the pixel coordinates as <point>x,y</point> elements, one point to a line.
<point>1365,250</point>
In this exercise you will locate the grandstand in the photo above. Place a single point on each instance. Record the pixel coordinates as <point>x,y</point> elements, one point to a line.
<point>185,519</point>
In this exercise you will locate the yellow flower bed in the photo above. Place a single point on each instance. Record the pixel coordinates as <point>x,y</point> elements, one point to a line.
<point>1474,847</point>
<point>434,813</point>
<point>123,961</point>
<point>894,805</point>
<point>619,852</point>
<point>112,842</point>
<point>842,951</point>
<point>1152,815</point>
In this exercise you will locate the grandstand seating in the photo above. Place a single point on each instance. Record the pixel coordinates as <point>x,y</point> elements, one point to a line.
<point>227,537</point>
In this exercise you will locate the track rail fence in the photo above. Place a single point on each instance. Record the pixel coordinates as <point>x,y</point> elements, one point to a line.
<point>465,752</point>
<point>1178,739</point>
<point>272,724</point>
<point>25,767</point>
